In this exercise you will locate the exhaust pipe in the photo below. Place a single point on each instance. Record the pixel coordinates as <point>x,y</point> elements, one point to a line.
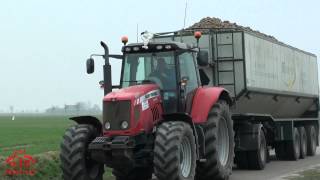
<point>106,69</point>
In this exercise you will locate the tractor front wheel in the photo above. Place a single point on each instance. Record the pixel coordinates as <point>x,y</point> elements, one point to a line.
<point>174,152</point>
<point>75,160</point>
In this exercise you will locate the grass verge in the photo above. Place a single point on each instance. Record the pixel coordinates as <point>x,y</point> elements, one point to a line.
<point>310,174</point>
<point>47,167</point>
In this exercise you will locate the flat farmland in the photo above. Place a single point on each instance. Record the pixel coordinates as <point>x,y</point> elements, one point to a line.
<point>35,134</point>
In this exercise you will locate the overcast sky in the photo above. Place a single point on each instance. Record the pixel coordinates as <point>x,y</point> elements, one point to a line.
<point>44,44</point>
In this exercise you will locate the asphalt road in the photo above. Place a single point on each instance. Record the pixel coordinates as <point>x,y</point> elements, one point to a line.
<point>276,169</point>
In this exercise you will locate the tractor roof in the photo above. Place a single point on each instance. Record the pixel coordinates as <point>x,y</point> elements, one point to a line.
<point>174,45</point>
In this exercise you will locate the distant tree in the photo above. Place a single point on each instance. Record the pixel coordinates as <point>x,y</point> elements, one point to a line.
<point>11,109</point>
<point>96,108</point>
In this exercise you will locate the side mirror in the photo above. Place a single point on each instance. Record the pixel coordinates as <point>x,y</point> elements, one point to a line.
<point>90,66</point>
<point>203,58</point>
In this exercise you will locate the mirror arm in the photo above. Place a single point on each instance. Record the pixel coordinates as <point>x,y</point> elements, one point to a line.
<point>95,55</point>
<point>116,56</point>
<point>116,87</point>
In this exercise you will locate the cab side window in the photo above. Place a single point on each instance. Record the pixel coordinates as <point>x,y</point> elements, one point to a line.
<point>188,70</point>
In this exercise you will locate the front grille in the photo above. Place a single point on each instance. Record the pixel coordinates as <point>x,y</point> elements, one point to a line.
<point>116,112</point>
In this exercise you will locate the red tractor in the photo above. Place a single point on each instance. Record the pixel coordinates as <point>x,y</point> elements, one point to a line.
<point>161,121</point>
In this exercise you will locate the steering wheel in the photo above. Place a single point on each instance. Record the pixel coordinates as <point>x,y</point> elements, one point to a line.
<point>156,80</point>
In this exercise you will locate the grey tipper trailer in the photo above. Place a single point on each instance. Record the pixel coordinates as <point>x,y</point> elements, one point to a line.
<point>275,90</point>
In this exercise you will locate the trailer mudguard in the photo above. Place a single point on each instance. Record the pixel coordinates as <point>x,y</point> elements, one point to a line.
<point>204,99</point>
<point>88,120</point>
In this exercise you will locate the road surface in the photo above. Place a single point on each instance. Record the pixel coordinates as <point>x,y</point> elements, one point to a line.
<point>276,169</point>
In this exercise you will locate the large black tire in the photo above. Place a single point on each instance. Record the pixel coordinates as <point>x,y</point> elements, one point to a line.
<point>256,159</point>
<point>174,152</point>
<point>289,150</point>
<point>293,147</point>
<point>133,174</point>
<point>303,142</point>
<point>75,160</point>
<point>311,140</point>
<point>216,167</point>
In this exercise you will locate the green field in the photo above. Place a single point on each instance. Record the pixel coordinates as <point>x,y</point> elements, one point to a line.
<point>36,134</point>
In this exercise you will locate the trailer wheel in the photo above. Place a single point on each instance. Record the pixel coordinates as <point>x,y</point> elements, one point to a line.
<point>75,161</point>
<point>280,149</point>
<point>311,140</point>
<point>256,159</point>
<point>219,144</point>
<point>293,147</point>
<point>174,152</point>
<point>303,142</point>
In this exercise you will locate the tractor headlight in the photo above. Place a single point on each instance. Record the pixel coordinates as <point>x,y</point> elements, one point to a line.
<point>159,47</point>
<point>124,125</point>
<point>168,46</point>
<point>107,125</point>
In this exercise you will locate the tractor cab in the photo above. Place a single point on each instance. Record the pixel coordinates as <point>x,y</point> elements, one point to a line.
<point>171,66</point>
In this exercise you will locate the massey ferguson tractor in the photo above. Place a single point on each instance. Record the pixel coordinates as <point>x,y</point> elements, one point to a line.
<point>189,105</point>
<point>161,121</point>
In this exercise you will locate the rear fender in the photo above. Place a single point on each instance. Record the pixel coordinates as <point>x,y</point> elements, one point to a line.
<point>88,120</point>
<point>203,101</point>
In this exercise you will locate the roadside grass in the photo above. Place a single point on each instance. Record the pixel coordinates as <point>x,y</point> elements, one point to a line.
<point>47,167</point>
<point>40,136</point>
<point>310,174</point>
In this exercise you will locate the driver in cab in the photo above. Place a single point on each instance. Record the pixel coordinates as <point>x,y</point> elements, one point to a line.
<point>164,74</point>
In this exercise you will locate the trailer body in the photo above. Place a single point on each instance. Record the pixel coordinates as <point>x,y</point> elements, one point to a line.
<point>273,84</point>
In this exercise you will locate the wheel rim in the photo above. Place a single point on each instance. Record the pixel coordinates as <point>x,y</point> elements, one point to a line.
<point>314,140</point>
<point>263,148</point>
<point>223,142</point>
<point>297,144</point>
<point>304,143</point>
<point>185,157</point>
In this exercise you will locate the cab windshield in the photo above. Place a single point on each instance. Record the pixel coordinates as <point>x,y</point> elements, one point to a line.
<point>158,68</point>
<point>142,68</point>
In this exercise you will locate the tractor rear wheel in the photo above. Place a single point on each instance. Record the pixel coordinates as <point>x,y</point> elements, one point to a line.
<point>174,152</point>
<point>75,160</point>
<point>311,140</point>
<point>219,144</point>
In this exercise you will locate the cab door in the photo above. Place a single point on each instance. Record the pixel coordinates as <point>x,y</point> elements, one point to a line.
<point>188,79</point>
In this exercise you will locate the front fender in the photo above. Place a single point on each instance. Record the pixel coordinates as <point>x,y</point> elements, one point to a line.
<point>88,120</point>
<point>203,101</point>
